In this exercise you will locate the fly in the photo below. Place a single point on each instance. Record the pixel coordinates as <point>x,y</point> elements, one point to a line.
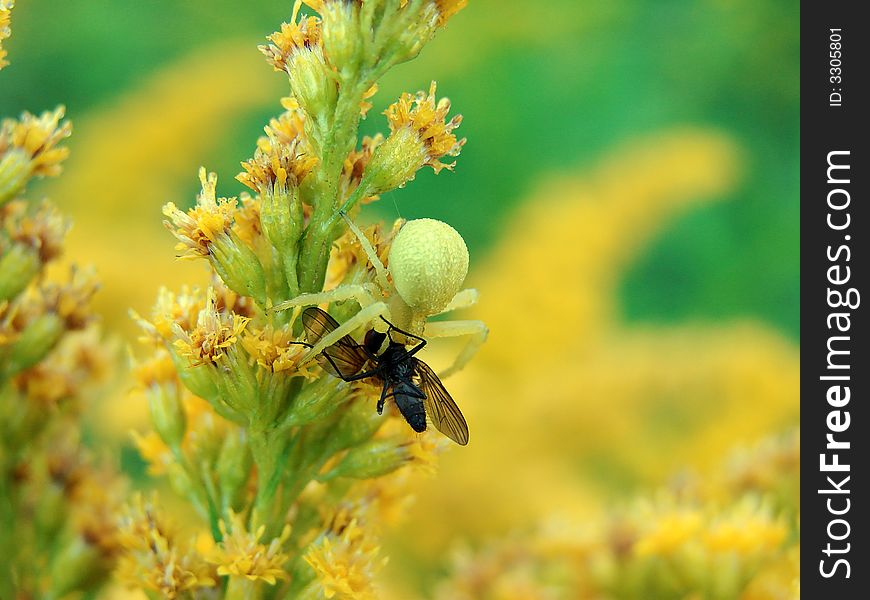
<point>412,384</point>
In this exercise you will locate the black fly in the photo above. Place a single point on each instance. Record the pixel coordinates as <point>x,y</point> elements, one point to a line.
<point>412,383</point>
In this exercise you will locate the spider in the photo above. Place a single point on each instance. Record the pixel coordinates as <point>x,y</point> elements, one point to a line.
<point>428,263</point>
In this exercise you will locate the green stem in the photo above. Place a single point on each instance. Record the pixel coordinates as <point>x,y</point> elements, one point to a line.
<point>201,490</point>
<point>266,458</point>
<point>340,139</point>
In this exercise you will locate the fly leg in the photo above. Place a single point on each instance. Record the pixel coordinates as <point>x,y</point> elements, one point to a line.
<point>413,350</point>
<point>383,398</point>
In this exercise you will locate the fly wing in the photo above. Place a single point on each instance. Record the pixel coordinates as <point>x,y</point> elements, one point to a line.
<point>445,415</point>
<point>345,358</point>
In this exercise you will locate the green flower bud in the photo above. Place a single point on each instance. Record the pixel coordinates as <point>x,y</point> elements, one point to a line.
<point>372,459</point>
<point>395,162</point>
<point>281,218</point>
<point>312,81</point>
<point>14,173</point>
<point>233,468</point>
<point>18,266</point>
<point>78,565</point>
<point>418,31</point>
<point>317,400</point>
<point>341,35</point>
<point>358,423</point>
<point>238,267</point>
<point>238,382</point>
<point>36,341</point>
<point>167,413</point>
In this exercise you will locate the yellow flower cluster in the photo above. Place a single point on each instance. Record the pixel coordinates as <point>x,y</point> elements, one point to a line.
<point>200,228</point>
<point>55,539</point>
<point>241,555</point>
<point>672,544</point>
<point>290,467</point>
<point>154,559</point>
<point>283,153</point>
<point>30,147</point>
<point>166,109</point>
<point>5,29</point>
<point>425,118</point>
<point>345,558</point>
<point>296,36</point>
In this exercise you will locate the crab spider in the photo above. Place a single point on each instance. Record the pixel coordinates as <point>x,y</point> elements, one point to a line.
<point>428,263</point>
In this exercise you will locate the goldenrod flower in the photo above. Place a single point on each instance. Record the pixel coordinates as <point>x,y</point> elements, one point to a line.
<point>156,370</point>
<point>213,334</point>
<point>30,147</point>
<point>277,164</point>
<point>33,238</point>
<point>345,559</point>
<point>206,230</point>
<point>425,117</point>
<point>5,31</point>
<point>748,530</point>
<point>448,8</point>
<point>293,37</point>
<point>43,231</point>
<point>172,310</point>
<point>420,135</point>
<point>241,554</point>
<point>153,559</point>
<point>297,49</point>
<point>284,425</point>
<point>70,301</point>
<point>287,128</point>
<point>199,228</point>
<point>80,360</point>
<point>274,349</point>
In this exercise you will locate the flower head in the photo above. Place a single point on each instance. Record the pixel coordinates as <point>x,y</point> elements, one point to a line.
<point>345,558</point>
<point>427,119</point>
<point>170,311</point>
<point>5,30</point>
<point>153,558</point>
<point>277,163</point>
<point>30,147</point>
<point>71,301</point>
<point>420,135</point>
<point>199,228</point>
<point>42,231</point>
<point>275,350</point>
<point>241,554</point>
<point>213,334</point>
<point>293,37</point>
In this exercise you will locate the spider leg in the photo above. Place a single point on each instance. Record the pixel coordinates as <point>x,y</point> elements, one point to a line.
<point>462,299</point>
<point>363,317</point>
<point>380,269</point>
<point>476,332</point>
<point>359,292</point>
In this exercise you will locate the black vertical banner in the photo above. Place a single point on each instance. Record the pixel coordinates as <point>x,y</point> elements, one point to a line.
<point>835,371</point>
